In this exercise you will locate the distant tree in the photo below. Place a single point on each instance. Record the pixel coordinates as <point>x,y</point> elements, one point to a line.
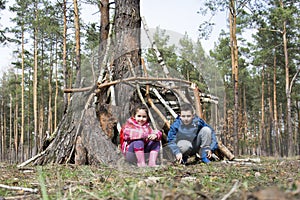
<point>77,41</point>
<point>277,29</point>
<point>233,7</point>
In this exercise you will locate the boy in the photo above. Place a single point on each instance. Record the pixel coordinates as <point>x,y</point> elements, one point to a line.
<point>189,135</point>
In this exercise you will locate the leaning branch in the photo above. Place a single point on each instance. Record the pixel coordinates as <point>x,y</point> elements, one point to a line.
<point>31,159</point>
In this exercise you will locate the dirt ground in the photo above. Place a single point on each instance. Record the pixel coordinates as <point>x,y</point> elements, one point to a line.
<point>248,178</point>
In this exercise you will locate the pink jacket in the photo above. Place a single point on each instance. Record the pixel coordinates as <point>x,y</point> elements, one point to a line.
<point>131,130</point>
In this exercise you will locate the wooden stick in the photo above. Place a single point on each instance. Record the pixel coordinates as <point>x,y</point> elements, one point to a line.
<point>225,150</point>
<point>106,84</point>
<point>31,159</point>
<point>19,188</point>
<point>197,100</point>
<point>161,99</point>
<point>235,186</point>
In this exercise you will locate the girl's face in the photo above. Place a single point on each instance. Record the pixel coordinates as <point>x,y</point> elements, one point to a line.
<point>186,117</point>
<point>141,116</point>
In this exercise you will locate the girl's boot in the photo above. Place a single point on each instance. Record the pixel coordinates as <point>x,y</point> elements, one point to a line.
<point>152,158</point>
<point>140,156</point>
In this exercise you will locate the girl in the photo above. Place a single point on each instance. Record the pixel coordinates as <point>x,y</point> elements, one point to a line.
<point>137,138</point>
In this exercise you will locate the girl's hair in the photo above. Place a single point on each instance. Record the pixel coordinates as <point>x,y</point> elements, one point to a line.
<point>187,107</point>
<point>140,107</point>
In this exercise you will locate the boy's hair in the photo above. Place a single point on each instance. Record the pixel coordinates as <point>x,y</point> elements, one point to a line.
<point>187,107</point>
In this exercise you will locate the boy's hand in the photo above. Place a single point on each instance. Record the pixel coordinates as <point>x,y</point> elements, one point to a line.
<point>209,153</point>
<point>179,157</point>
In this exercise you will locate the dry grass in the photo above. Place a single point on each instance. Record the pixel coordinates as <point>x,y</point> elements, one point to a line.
<point>269,179</point>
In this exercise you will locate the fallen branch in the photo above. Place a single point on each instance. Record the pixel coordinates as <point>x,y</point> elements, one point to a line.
<point>233,189</point>
<point>254,160</point>
<point>19,188</point>
<point>31,159</point>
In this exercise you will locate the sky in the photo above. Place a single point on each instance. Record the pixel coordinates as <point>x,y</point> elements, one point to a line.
<point>171,15</point>
<point>174,15</point>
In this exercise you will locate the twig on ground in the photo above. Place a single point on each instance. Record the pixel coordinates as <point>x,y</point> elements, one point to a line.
<point>19,188</point>
<point>235,186</point>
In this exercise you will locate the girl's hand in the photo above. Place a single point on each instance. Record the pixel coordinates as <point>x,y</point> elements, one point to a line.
<point>152,136</point>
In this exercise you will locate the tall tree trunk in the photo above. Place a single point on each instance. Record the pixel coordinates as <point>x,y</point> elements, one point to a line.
<point>288,92</point>
<point>30,136</point>
<point>245,117</point>
<point>271,120</point>
<point>282,142</point>
<point>2,132</point>
<point>22,97</point>
<point>276,130</point>
<point>50,121</point>
<point>298,112</point>
<point>41,99</point>
<point>35,84</point>
<point>10,128</point>
<point>225,126</point>
<point>262,142</point>
<point>56,86</point>
<point>77,39</point>
<point>127,25</point>
<point>16,119</point>
<point>65,67</point>
<point>41,126</point>
<point>104,31</point>
<point>127,51</point>
<point>234,63</point>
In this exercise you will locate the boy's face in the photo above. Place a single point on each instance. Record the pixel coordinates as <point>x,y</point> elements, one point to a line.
<point>186,117</point>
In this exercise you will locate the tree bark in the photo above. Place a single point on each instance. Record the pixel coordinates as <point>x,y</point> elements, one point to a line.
<point>81,122</point>
<point>65,67</point>
<point>104,31</point>
<point>276,146</point>
<point>77,39</point>
<point>234,62</point>
<point>22,95</point>
<point>271,119</point>
<point>262,144</point>
<point>128,31</point>
<point>35,75</point>
<point>288,92</point>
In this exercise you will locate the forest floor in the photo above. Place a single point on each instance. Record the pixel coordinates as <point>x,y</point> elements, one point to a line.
<point>253,178</point>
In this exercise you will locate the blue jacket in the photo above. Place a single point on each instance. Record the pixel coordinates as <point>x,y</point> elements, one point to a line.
<point>194,127</point>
